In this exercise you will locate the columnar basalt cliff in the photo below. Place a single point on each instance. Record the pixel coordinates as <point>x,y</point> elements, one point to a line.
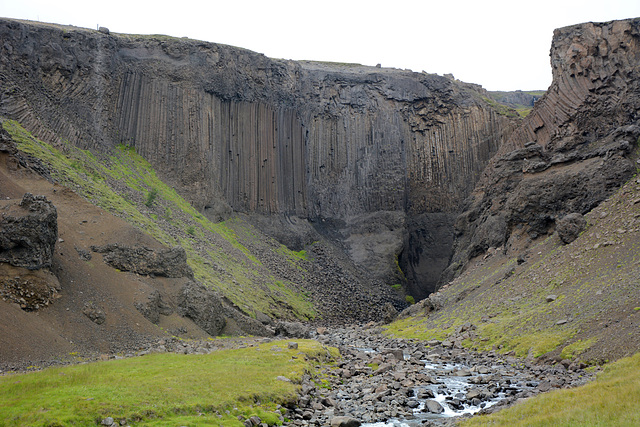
<point>362,152</point>
<point>574,150</point>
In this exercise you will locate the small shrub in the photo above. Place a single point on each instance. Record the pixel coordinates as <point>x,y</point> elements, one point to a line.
<point>410,299</point>
<point>191,230</point>
<point>151,197</point>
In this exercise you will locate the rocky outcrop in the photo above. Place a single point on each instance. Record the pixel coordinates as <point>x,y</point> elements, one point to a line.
<point>28,232</point>
<point>203,306</point>
<point>233,128</point>
<point>575,148</point>
<point>570,226</point>
<point>170,262</point>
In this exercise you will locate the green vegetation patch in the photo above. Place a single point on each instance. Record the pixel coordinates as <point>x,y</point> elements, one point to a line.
<point>611,400</point>
<point>164,389</point>
<point>577,348</point>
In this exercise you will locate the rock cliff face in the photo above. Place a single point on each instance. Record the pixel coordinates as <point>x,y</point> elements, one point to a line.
<point>334,144</point>
<point>575,148</point>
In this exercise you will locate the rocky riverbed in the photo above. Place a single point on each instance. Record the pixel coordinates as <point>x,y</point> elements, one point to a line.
<point>382,381</point>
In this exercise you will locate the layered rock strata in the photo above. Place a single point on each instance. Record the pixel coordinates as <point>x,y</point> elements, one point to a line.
<point>577,147</point>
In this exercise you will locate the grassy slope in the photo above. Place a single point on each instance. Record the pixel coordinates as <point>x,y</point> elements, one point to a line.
<point>523,110</point>
<point>127,186</point>
<point>163,389</point>
<point>612,400</point>
<point>595,279</point>
<point>596,316</point>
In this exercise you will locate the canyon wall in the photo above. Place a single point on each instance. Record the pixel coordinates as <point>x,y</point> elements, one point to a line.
<point>368,154</point>
<point>577,146</point>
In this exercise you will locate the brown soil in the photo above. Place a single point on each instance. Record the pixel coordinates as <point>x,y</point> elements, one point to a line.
<point>61,331</point>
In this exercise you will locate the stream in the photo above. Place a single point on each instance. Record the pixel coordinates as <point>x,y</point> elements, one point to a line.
<point>385,382</point>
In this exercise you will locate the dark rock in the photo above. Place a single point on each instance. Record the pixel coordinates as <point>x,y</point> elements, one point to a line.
<point>580,155</point>
<point>170,262</point>
<point>570,226</point>
<point>153,307</point>
<point>95,314</point>
<point>203,306</point>
<point>84,254</point>
<point>7,145</point>
<point>103,30</point>
<point>28,232</point>
<point>344,422</point>
<point>433,407</point>
<point>292,330</point>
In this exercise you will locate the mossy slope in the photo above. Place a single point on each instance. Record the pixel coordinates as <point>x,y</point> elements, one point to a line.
<point>126,185</point>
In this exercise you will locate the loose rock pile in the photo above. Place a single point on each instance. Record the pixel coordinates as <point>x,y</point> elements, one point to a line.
<point>381,379</point>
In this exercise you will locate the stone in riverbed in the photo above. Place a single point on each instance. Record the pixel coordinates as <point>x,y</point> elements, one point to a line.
<point>433,407</point>
<point>344,422</point>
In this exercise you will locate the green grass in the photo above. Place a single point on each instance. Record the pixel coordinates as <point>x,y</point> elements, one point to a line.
<point>215,251</point>
<point>163,389</point>
<point>611,400</point>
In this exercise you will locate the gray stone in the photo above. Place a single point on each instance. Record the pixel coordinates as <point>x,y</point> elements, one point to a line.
<point>168,262</point>
<point>344,422</point>
<point>107,421</point>
<point>95,314</point>
<point>570,227</point>
<point>433,407</point>
<point>203,306</point>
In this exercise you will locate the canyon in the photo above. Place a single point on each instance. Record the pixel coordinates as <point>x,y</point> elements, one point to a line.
<point>393,181</point>
<point>378,159</point>
<point>157,193</point>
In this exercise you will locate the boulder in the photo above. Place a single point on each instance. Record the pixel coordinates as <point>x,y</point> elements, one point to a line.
<point>95,314</point>
<point>203,306</point>
<point>28,232</point>
<point>433,407</point>
<point>344,422</point>
<point>171,262</point>
<point>153,306</point>
<point>292,330</point>
<point>570,226</point>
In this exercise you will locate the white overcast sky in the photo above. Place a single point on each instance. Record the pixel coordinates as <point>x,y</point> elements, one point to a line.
<point>502,45</point>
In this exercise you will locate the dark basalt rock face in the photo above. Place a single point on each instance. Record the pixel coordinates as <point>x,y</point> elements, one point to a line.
<point>367,155</point>
<point>234,129</point>
<point>28,232</point>
<point>578,145</point>
<point>169,262</point>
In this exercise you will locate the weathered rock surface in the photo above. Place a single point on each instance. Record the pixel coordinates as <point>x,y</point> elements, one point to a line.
<point>153,307</point>
<point>573,151</point>
<point>570,226</point>
<point>203,306</point>
<point>28,232</point>
<point>171,262</point>
<point>233,128</point>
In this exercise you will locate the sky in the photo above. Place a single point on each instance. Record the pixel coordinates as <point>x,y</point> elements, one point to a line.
<point>501,45</point>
